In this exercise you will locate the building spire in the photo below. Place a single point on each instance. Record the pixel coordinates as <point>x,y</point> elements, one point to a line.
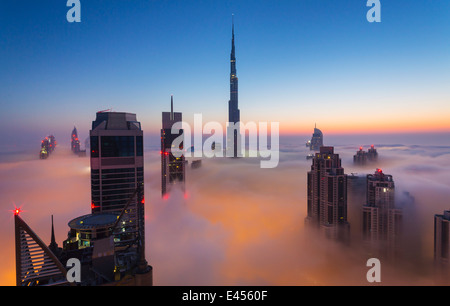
<point>233,57</point>
<point>53,245</point>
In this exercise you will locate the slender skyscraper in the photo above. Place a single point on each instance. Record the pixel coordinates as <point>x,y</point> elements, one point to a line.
<point>327,195</point>
<point>234,117</point>
<point>172,167</point>
<point>75,142</point>
<point>382,221</point>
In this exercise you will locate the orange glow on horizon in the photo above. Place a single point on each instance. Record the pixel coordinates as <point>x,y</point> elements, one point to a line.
<point>368,128</point>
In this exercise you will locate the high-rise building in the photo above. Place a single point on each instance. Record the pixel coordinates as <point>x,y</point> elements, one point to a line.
<point>442,239</point>
<point>382,221</point>
<point>316,140</point>
<point>233,131</point>
<point>110,242</point>
<point>327,195</point>
<point>75,142</point>
<point>362,157</point>
<point>117,171</point>
<point>173,170</point>
<point>372,154</point>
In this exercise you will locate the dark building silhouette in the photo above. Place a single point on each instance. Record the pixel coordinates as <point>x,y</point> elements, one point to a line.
<point>173,170</point>
<point>442,240</point>
<point>362,157</point>
<point>327,195</point>
<point>382,220</point>
<point>75,142</point>
<point>48,145</point>
<point>234,117</point>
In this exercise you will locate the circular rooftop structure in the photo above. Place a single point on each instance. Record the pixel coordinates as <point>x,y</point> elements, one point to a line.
<point>94,221</point>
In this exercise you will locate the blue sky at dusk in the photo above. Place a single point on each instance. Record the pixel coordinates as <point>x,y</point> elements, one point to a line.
<point>298,62</point>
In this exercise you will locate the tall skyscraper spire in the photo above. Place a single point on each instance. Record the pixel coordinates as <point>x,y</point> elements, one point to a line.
<point>233,134</point>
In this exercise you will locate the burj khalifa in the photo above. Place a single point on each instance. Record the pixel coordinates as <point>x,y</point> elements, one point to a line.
<point>233,129</point>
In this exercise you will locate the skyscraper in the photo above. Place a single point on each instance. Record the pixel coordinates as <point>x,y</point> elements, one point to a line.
<point>75,142</point>
<point>382,221</point>
<point>316,140</point>
<point>327,195</point>
<point>117,169</point>
<point>362,157</point>
<point>234,116</point>
<point>442,239</point>
<point>172,166</point>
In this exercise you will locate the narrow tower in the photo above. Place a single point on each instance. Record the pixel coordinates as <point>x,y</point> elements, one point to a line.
<point>172,167</point>
<point>233,131</point>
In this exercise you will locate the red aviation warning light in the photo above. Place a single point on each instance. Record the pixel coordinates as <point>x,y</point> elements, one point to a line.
<point>17,211</point>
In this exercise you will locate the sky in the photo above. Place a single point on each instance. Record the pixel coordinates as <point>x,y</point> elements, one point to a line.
<point>298,63</point>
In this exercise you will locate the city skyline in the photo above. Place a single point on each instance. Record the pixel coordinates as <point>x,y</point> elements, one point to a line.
<point>305,65</point>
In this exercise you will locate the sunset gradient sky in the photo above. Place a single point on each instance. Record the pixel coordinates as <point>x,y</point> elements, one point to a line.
<point>298,63</point>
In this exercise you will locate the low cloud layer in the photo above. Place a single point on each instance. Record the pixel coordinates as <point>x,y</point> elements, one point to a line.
<point>238,224</point>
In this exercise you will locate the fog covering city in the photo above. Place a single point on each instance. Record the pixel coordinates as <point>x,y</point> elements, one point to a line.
<point>239,224</point>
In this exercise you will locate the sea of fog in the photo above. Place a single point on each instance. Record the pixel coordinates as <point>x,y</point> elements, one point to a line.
<point>238,224</point>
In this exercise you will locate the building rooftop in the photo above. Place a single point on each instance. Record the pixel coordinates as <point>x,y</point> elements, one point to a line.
<point>91,221</point>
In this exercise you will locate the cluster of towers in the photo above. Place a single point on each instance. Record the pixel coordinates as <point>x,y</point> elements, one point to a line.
<point>363,157</point>
<point>327,198</point>
<point>48,145</point>
<point>110,241</point>
<point>329,189</point>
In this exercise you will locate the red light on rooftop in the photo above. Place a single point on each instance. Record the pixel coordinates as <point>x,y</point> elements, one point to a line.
<point>17,211</point>
<point>360,148</point>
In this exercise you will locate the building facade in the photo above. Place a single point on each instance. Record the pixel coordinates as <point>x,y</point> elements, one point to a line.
<point>173,166</point>
<point>442,239</point>
<point>316,140</point>
<point>327,195</point>
<point>382,221</point>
